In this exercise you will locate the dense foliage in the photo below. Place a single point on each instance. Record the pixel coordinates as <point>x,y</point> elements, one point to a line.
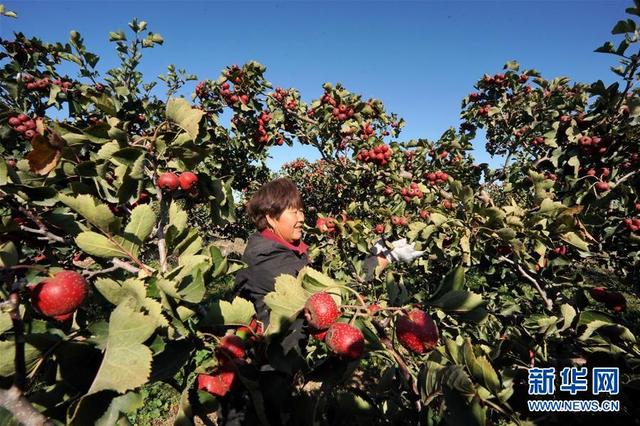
<point>128,194</point>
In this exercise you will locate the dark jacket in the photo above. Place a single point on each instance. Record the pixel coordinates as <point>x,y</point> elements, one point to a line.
<point>266,259</point>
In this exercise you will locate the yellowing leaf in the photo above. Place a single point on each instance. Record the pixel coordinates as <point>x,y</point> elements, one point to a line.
<point>45,156</point>
<point>180,112</point>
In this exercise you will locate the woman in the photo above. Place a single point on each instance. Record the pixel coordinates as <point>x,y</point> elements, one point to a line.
<point>277,247</point>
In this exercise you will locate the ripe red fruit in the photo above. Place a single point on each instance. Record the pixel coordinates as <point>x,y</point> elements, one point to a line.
<point>417,331</point>
<point>447,204</point>
<point>615,301</point>
<point>602,186</point>
<point>29,134</point>
<point>598,293</point>
<point>21,128</point>
<point>345,340</point>
<point>379,229</point>
<point>321,310</point>
<point>63,317</point>
<point>168,181</point>
<point>187,180</point>
<point>232,346</point>
<point>219,383</point>
<point>23,118</point>
<point>60,294</point>
<point>424,214</point>
<point>14,121</point>
<point>319,335</point>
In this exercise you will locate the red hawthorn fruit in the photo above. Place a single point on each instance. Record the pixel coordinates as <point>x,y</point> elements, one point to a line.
<point>232,346</point>
<point>598,293</point>
<point>604,171</point>
<point>63,317</point>
<point>319,335</point>
<point>424,214</point>
<point>321,310</point>
<point>345,340</point>
<point>503,250</point>
<point>591,172</point>
<point>615,301</point>
<point>447,204</point>
<point>23,118</point>
<point>219,382</point>
<point>21,128</point>
<point>325,224</point>
<point>29,134</point>
<point>187,180</point>
<point>168,181</point>
<point>61,294</point>
<point>602,186</point>
<point>417,331</point>
<point>14,121</point>
<point>379,228</point>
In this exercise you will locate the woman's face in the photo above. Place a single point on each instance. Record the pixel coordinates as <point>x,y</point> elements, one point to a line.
<point>289,225</point>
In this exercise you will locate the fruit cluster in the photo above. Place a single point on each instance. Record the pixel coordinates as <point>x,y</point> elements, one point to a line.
<point>169,181</point>
<point>537,141</point>
<point>342,112</point>
<point>321,313</point>
<point>23,124</point>
<point>280,94</point>
<point>262,135</point>
<point>411,192</point>
<point>435,178</point>
<point>592,145</point>
<point>417,331</point>
<point>484,110</point>
<point>326,224</point>
<point>632,225</point>
<point>202,91</point>
<point>367,131</point>
<point>379,154</point>
<point>399,220</point>
<point>232,97</point>
<point>59,296</point>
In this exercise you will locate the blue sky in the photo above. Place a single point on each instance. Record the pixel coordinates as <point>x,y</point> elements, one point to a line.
<point>420,58</point>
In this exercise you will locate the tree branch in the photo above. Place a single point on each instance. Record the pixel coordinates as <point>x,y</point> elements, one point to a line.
<point>117,264</point>
<point>46,234</point>
<point>13,400</point>
<point>543,294</point>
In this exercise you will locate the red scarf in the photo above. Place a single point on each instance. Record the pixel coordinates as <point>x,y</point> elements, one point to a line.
<point>299,248</point>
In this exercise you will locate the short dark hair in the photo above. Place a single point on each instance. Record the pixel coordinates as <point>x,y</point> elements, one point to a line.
<point>272,199</point>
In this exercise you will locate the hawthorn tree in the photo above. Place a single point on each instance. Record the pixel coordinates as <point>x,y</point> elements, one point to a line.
<point>119,203</point>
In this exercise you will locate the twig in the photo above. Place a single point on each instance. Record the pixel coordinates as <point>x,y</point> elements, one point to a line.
<point>117,264</point>
<point>13,400</point>
<point>162,245</point>
<point>543,294</point>
<point>46,234</point>
<point>19,380</point>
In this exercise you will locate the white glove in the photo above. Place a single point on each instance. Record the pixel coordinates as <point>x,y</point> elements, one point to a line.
<point>401,252</point>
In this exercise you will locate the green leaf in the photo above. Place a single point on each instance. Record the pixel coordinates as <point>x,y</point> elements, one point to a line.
<point>622,27</point>
<point>437,218</point>
<point>98,245</point>
<point>96,213</point>
<point>143,219</point>
<point>238,312</point>
<point>177,216</point>
<point>127,362</point>
<point>459,301</point>
<point>573,239</point>
<point>120,405</point>
<point>117,36</point>
<point>454,280</point>
<point>285,302</point>
<point>568,314</point>
<point>8,254</point>
<point>180,112</point>
<point>314,281</point>
<point>7,357</point>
